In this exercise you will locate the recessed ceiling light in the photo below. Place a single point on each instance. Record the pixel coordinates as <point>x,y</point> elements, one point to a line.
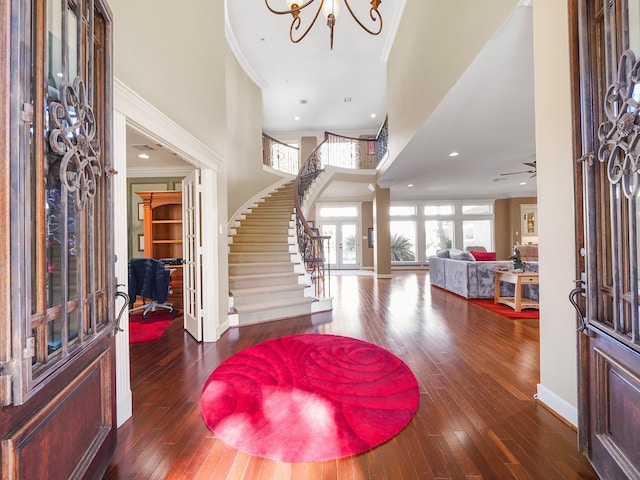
<point>296,118</point>
<point>373,115</point>
<point>523,183</point>
<point>144,155</point>
<point>454,154</point>
<point>410,185</point>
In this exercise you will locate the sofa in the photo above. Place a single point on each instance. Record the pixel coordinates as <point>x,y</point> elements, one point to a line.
<point>471,278</point>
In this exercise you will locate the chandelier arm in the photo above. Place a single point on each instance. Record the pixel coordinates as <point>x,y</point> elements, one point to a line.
<point>293,11</point>
<point>373,13</point>
<point>295,25</point>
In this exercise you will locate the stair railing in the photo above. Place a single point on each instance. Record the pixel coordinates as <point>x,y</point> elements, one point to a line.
<point>310,243</point>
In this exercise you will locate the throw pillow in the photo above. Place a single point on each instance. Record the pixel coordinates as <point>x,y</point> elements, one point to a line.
<point>484,256</point>
<point>461,255</point>
<point>442,253</point>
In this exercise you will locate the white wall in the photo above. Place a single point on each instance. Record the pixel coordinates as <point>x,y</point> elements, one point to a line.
<point>435,43</point>
<point>244,113</point>
<point>554,154</point>
<point>163,51</point>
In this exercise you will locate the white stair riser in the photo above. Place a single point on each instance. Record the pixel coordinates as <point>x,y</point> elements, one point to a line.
<point>261,257</point>
<point>258,239</point>
<point>259,269</point>
<point>264,230</point>
<point>274,314</point>
<point>260,281</point>
<point>242,300</point>
<point>264,248</point>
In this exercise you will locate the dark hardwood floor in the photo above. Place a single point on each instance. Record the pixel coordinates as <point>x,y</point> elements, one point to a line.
<point>477,417</point>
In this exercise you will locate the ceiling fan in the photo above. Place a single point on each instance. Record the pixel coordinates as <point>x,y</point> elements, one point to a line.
<point>532,170</point>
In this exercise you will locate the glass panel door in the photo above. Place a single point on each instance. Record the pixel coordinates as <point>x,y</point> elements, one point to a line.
<point>341,251</point>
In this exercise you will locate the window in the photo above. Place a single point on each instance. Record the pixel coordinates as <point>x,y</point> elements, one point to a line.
<point>438,210</point>
<point>477,209</point>
<point>438,235</point>
<point>477,233</point>
<point>402,211</point>
<point>403,241</point>
<point>431,226</point>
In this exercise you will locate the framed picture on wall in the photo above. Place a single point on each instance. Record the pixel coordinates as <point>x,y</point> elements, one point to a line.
<point>370,237</point>
<point>140,242</point>
<point>140,211</point>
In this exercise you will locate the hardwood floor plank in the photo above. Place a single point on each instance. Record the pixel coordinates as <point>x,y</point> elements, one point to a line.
<point>477,373</point>
<point>316,471</point>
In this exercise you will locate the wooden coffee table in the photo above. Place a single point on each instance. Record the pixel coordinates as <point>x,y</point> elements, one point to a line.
<point>517,302</point>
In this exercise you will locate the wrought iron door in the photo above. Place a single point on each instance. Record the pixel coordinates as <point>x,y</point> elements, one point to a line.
<point>607,71</point>
<point>57,388</point>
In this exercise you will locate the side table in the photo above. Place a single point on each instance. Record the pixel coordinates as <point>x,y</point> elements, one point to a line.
<point>517,302</point>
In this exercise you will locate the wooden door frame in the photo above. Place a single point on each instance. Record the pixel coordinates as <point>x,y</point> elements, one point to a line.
<point>582,343</point>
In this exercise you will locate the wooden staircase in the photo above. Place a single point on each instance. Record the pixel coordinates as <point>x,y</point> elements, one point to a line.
<point>265,281</point>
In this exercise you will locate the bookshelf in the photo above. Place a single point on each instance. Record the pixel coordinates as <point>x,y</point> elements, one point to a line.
<point>162,216</point>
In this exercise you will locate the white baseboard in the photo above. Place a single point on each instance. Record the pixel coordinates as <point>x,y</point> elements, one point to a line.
<point>558,405</point>
<point>124,409</point>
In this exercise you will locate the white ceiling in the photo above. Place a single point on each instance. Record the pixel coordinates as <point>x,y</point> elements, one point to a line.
<point>160,157</point>
<point>288,73</point>
<point>488,116</point>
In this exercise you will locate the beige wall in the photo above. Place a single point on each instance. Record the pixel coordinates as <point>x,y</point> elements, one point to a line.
<point>382,242</point>
<point>502,228</point>
<point>418,78</point>
<point>307,145</point>
<point>554,154</point>
<point>164,53</point>
<point>508,223</point>
<point>367,222</point>
<point>245,174</point>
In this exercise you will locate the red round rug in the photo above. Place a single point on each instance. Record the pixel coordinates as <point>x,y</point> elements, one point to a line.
<point>309,397</point>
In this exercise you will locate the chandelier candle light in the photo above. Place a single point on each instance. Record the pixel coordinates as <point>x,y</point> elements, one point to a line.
<point>330,9</point>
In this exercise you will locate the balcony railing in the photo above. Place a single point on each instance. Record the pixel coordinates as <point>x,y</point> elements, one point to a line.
<point>335,150</point>
<point>279,155</point>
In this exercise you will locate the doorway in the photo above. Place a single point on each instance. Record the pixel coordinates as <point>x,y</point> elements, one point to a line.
<point>134,113</point>
<point>343,251</point>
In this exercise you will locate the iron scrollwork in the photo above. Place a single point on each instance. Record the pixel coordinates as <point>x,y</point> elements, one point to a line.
<point>618,134</point>
<point>72,135</point>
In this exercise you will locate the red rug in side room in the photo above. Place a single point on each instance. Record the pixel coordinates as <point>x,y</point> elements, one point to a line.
<point>310,397</point>
<point>151,328</point>
<point>505,310</point>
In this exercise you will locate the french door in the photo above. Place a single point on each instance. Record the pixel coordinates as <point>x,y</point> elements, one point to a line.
<point>341,250</point>
<point>606,45</point>
<point>57,315</point>
<point>192,245</point>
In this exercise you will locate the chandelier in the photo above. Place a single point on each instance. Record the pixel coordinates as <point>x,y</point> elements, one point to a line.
<point>330,9</point>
